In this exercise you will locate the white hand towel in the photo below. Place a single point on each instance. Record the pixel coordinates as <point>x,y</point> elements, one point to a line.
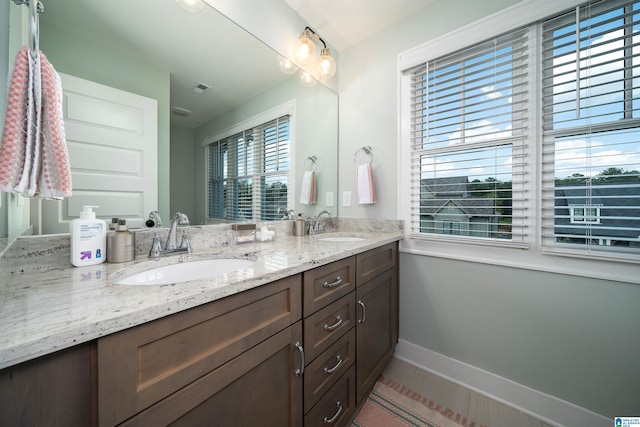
<point>364,183</point>
<point>308,191</point>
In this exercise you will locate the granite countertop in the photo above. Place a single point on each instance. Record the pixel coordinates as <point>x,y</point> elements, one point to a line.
<point>46,309</point>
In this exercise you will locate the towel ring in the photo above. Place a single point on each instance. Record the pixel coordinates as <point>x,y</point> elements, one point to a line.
<point>314,163</point>
<point>368,151</point>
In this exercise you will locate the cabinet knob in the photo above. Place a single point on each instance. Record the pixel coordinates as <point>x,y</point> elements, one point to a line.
<point>335,416</point>
<point>328,327</point>
<point>300,370</point>
<point>333,284</point>
<point>336,366</point>
<point>364,312</point>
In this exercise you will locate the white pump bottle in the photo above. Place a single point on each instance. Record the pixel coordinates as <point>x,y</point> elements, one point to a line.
<point>88,238</point>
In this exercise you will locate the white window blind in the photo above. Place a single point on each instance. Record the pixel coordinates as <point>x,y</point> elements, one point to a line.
<point>249,173</point>
<point>591,143</point>
<point>469,122</point>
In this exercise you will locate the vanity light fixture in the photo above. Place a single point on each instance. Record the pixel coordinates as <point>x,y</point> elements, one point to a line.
<point>306,79</point>
<point>191,6</point>
<point>305,54</point>
<point>286,66</point>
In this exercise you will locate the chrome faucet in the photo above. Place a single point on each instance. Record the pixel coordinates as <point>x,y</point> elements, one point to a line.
<point>178,219</point>
<point>291,214</point>
<point>315,225</point>
<point>171,246</point>
<point>154,219</point>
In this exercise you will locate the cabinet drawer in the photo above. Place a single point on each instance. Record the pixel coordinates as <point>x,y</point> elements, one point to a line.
<point>326,284</point>
<point>371,263</point>
<point>336,408</point>
<point>327,325</point>
<point>142,365</point>
<point>323,372</point>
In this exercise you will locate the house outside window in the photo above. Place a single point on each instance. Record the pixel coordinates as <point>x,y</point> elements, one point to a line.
<point>248,173</point>
<point>582,214</point>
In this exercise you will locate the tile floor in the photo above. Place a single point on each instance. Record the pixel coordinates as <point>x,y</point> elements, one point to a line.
<point>476,407</point>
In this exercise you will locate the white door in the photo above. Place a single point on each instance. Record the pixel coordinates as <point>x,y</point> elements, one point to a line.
<point>112,140</point>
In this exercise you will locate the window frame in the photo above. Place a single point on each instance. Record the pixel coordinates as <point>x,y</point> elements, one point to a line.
<point>604,266</point>
<point>285,109</point>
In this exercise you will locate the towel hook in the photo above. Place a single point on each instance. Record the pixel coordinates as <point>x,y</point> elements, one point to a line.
<point>368,151</point>
<point>314,163</point>
<point>35,7</point>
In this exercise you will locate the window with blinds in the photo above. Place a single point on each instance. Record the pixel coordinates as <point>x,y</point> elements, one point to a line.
<point>469,119</point>
<point>591,125</point>
<point>248,173</point>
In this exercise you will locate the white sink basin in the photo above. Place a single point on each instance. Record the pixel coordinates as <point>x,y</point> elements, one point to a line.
<point>341,239</point>
<point>185,271</point>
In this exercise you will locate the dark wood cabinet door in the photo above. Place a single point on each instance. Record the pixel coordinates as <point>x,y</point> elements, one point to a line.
<point>258,388</point>
<point>143,365</point>
<point>54,390</point>
<point>376,328</point>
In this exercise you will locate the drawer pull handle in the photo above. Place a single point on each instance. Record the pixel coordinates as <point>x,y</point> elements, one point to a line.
<point>300,370</point>
<point>335,417</point>
<point>364,312</point>
<point>337,365</point>
<point>339,319</point>
<point>338,282</point>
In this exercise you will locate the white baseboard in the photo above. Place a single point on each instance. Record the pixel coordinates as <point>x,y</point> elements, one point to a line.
<point>547,408</point>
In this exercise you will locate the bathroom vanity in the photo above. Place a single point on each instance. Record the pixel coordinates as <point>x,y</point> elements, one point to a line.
<point>299,343</point>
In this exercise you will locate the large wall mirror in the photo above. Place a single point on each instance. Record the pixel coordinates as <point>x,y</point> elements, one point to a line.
<point>156,49</point>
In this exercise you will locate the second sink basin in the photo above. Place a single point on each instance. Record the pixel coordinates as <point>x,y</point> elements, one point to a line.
<point>185,271</point>
<point>341,239</point>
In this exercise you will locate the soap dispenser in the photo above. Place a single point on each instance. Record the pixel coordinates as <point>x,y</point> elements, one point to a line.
<point>121,245</point>
<point>88,238</point>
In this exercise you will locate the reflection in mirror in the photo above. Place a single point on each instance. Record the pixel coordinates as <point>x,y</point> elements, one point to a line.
<point>212,73</point>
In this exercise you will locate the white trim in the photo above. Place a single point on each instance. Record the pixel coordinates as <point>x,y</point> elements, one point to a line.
<point>518,15</point>
<point>547,408</point>
<point>577,265</point>
<point>271,114</point>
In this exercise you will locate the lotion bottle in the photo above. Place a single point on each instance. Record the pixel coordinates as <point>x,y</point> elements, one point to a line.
<point>121,244</point>
<point>88,238</point>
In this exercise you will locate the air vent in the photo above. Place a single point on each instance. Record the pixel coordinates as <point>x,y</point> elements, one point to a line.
<point>201,88</point>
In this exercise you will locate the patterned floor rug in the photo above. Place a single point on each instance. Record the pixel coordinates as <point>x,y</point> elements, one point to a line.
<point>391,404</point>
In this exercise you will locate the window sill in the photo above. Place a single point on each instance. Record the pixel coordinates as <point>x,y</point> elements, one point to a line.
<point>533,258</point>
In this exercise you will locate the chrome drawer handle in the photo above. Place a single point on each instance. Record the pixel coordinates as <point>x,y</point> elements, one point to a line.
<point>364,312</point>
<point>337,365</point>
<point>335,325</point>
<point>335,417</point>
<point>300,370</point>
<point>338,282</point>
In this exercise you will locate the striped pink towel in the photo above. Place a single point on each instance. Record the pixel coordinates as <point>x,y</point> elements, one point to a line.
<point>34,160</point>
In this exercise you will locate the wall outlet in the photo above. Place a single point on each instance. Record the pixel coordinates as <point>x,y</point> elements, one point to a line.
<point>329,198</point>
<point>346,198</point>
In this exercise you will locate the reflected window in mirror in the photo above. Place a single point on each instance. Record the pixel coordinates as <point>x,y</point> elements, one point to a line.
<point>248,173</point>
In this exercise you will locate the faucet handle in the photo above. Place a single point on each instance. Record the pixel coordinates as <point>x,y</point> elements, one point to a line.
<point>185,244</point>
<point>156,247</point>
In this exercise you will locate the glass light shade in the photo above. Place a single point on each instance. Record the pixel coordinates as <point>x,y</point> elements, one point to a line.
<point>191,6</point>
<point>326,65</point>
<point>306,79</point>
<point>305,51</point>
<point>286,66</point>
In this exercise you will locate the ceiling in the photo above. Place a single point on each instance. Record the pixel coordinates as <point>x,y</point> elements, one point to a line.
<point>343,23</point>
<point>187,50</point>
